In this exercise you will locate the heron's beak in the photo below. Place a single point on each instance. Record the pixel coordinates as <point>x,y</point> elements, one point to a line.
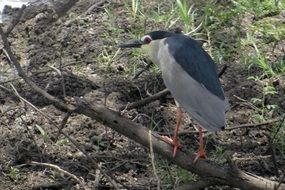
<point>132,44</point>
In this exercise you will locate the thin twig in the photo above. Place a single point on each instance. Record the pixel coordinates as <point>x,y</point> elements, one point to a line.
<point>57,168</point>
<point>223,70</point>
<point>246,102</point>
<point>247,125</point>
<point>145,100</point>
<point>63,123</point>
<point>149,63</point>
<point>157,96</point>
<point>53,68</point>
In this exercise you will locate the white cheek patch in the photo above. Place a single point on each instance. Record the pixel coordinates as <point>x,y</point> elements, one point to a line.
<point>147,36</point>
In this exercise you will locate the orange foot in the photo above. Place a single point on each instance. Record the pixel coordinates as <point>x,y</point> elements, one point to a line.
<point>200,154</point>
<point>173,142</point>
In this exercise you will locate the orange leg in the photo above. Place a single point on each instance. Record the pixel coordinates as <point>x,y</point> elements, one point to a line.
<point>201,152</point>
<point>174,140</point>
<point>178,124</point>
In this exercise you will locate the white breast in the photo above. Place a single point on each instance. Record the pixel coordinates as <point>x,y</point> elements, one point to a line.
<point>203,106</point>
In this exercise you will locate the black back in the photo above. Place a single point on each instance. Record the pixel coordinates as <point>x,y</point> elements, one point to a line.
<point>195,61</point>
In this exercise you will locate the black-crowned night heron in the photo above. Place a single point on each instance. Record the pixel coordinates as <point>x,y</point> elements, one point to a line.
<point>191,76</point>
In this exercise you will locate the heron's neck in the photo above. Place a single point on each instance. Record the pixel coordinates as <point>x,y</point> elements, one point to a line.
<point>152,51</point>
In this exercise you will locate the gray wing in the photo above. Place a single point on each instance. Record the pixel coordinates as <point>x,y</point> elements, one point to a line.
<point>203,106</point>
<point>196,62</point>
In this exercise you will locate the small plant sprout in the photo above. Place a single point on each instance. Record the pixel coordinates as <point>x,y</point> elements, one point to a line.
<point>43,132</point>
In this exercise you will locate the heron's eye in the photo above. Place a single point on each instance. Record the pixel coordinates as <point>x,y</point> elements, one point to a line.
<point>147,40</point>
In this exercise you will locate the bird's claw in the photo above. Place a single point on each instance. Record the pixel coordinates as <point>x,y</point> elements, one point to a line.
<point>200,154</point>
<point>174,142</point>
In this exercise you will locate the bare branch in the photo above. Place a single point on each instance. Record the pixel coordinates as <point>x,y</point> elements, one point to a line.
<point>145,101</point>
<point>149,63</point>
<point>247,125</point>
<point>204,168</point>
<point>158,95</point>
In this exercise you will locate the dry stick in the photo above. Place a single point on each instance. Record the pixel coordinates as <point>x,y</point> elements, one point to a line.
<point>247,125</point>
<point>145,101</point>
<point>55,167</point>
<point>63,123</point>
<point>54,69</point>
<point>204,168</point>
<point>254,124</point>
<point>223,70</point>
<point>149,63</point>
<point>157,96</point>
<point>246,103</point>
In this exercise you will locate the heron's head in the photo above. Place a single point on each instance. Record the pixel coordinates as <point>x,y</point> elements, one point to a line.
<point>150,43</point>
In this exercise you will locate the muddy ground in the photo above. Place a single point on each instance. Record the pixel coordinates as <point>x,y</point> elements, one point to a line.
<point>75,41</point>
